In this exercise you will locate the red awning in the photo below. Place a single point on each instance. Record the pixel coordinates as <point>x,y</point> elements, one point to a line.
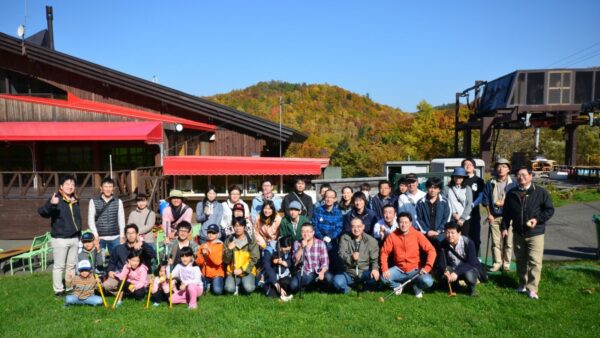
<point>73,102</point>
<point>234,165</point>
<point>149,132</point>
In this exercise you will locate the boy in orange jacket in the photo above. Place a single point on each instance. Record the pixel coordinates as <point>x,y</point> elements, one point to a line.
<point>210,260</point>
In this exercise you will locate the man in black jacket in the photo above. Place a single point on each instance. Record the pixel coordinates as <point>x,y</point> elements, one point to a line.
<point>527,208</point>
<point>65,219</point>
<point>458,260</point>
<point>298,195</point>
<point>118,257</point>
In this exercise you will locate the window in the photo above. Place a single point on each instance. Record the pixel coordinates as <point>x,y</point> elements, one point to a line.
<point>535,88</point>
<point>21,84</point>
<point>583,86</point>
<point>63,157</point>
<point>597,94</point>
<point>559,88</point>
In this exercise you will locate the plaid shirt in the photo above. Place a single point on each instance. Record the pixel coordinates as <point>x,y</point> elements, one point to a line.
<point>327,223</point>
<point>315,258</point>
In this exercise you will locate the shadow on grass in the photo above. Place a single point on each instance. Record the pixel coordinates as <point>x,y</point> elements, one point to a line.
<point>503,280</point>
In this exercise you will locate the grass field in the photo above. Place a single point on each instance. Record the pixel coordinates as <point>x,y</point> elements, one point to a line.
<point>569,306</point>
<point>562,198</point>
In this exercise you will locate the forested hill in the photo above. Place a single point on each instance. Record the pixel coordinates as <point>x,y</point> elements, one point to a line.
<point>358,134</point>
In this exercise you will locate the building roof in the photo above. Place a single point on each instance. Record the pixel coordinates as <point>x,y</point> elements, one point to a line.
<point>217,114</point>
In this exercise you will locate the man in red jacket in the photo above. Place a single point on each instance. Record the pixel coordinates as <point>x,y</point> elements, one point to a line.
<point>405,245</point>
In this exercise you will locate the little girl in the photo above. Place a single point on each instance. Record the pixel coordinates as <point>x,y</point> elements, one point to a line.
<point>191,280</point>
<point>160,286</point>
<point>135,275</point>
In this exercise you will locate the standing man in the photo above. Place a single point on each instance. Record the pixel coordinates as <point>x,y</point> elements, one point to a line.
<point>527,208</point>
<point>384,197</point>
<point>328,221</point>
<point>406,245</point>
<point>433,212</point>
<point>477,184</point>
<point>65,221</point>
<point>144,218</point>
<point>291,225</point>
<point>494,194</point>
<point>106,217</point>
<point>298,195</point>
<point>407,202</point>
<point>359,253</point>
<point>267,195</point>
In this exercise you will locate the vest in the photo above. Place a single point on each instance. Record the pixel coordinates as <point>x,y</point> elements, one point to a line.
<point>108,223</point>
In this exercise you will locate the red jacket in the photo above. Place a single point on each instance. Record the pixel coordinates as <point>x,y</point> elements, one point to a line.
<point>406,251</point>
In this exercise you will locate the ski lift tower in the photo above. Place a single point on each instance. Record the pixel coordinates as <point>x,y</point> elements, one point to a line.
<point>544,98</point>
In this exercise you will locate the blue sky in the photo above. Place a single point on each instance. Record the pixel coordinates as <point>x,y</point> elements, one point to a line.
<point>399,52</point>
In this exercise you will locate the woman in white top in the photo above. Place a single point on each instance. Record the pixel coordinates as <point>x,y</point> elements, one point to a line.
<point>235,194</point>
<point>460,198</point>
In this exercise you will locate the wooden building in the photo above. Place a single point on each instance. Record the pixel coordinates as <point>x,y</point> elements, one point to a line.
<point>61,114</point>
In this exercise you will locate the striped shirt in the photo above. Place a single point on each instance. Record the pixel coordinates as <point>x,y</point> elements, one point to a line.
<point>83,288</point>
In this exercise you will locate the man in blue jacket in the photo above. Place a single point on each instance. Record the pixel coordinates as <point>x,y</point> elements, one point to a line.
<point>328,221</point>
<point>433,212</point>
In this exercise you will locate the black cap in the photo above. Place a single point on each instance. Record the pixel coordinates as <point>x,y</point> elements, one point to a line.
<point>410,178</point>
<point>213,228</point>
<point>87,237</point>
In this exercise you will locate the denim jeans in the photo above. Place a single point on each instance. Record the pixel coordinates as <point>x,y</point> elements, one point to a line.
<point>109,244</point>
<point>215,285</point>
<point>91,300</point>
<point>247,283</point>
<point>398,277</point>
<point>342,281</point>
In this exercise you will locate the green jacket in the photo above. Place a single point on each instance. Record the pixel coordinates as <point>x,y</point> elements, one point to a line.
<point>368,258</point>
<point>287,229</point>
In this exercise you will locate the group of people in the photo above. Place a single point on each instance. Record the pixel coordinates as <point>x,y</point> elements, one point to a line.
<point>290,245</point>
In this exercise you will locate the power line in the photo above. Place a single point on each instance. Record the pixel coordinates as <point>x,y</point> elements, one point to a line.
<point>574,54</point>
<point>585,57</point>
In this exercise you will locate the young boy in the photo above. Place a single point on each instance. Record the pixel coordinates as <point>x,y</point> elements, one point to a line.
<point>184,230</point>
<point>210,259</point>
<point>190,277</point>
<point>88,252</point>
<point>84,285</point>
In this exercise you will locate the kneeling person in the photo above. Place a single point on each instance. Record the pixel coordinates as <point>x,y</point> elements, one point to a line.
<point>459,260</point>
<point>277,267</point>
<point>359,253</point>
<point>405,245</point>
<point>240,255</point>
<point>312,260</point>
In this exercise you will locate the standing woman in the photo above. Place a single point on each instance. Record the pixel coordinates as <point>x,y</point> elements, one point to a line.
<point>476,184</point>
<point>235,194</point>
<point>266,229</point>
<point>359,210</point>
<point>209,211</point>
<point>345,203</point>
<point>460,198</point>
<point>65,219</point>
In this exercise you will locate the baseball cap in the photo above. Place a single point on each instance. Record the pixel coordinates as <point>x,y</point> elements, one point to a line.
<point>213,228</point>
<point>84,266</point>
<point>238,206</point>
<point>411,178</point>
<point>87,237</point>
<point>295,205</point>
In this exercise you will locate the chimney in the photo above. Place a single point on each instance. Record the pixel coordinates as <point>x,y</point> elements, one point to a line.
<point>49,18</point>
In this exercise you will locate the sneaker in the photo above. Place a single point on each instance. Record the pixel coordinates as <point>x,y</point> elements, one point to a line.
<point>495,267</point>
<point>155,304</point>
<point>521,289</point>
<point>398,291</point>
<point>286,298</point>
<point>506,268</point>
<point>59,294</point>
<point>118,303</point>
<point>533,295</point>
<point>418,292</point>
<point>192,307</point>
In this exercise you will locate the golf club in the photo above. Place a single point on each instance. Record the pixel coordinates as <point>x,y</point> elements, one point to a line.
<point>450,292</point>
<point>398,290</point>
<point>487,246</point>
<point>356,249</point>
<point>119,294</point>
<point>149,291</point>
<point>101,291</point>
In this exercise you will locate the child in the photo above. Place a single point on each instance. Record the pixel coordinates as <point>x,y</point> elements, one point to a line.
<point>240,255</point>
<point>184,231</point>
<point>276,266</point>
<point>210,258</point>
<point>160,286</point>
<point>191,280</point>
<point>89,253</point>
<point>135,275</point>
<point>84,285</point>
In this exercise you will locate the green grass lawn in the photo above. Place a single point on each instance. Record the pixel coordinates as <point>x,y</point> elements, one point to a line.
<point>562,198</point>
<point>569,306</point>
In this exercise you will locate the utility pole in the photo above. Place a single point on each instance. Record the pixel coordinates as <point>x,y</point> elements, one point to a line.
<point>280,113</point>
